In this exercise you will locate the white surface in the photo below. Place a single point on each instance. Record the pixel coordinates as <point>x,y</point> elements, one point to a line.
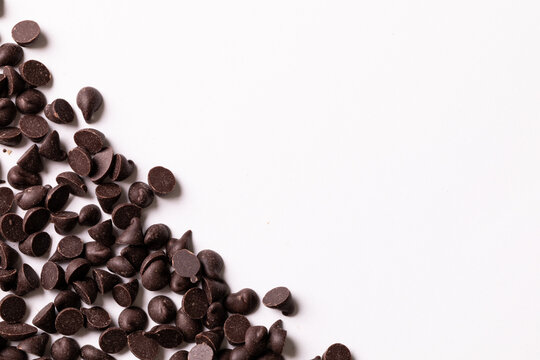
<point>379,158</point>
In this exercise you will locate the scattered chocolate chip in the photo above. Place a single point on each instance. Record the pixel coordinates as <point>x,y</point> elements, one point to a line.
<point>156,236</point>
<point>161,309</point>
<point>102,164</point>
<point>125,294</point>
<point>10,136</point>
<point>51,148</point>
<point>140,194</point>
<point>152,257</point>
<point>31,160</point>
<point>8,277</point>
<point>189,327</point>
<point>97,253</point>
<point>113,340</point>
<point>122,168</point>
<point>88,352</point>
<point>36,244</point>
<point>65,299</point>
<point>201,352</point>
<point>86,289</point>
<point>16,331</point>
<point>77,270</point>
<point>121,266</point>
<point>212,264</point>
<point>70,247</point>
<point>161,180</point>
<point>34,127</point>
<point>69,321</point>
<point>167,336</point>
<point>65,348</point>
<point>11,227</point>
<point>90,139</point>
<point>105,280</point>
<point>16,84</point>
<point>52,276</point>
<point>280,298</point>
<point>215,315</point>
<point>277,337</point>
<point>212,338</point>
<point>180,355</point>
<point>103,233</point>
<point>7,110</point>
<point>337,352</point>
<point>35,345</point>
<point>142,347</point>
<point>12,353</point>
<point>173,245</point>
<point>96,318</point>
<point>133,234</point>
<point>89,215</point>
<point>194,303</point>
<point>10,54</point>
<point>235,328</point>
<point>123,213</point>
<point>59,111</point>
<point>20,179</point>
<point>57,197</point>
<point>74,181</point>
<point>186,264</point>
<point>132,318</point>
<point>64,221</point>
<point>155,276</point>
<point>6,200</point>
<point>12,309</point>
<point>35,219</point>
<point>45,319</point>
<point>35,73</point>
<point>89,100</point>
<point>25,32</point>
<point>256,340</point>
<point>239,353</point>
<point>32,196</point>
<point>8,256</point>
<point>30,101</point>
<point>107,196</point>
<point>215,290</point>
<point>80,161</point>
<point>243,302</point>
<point>180,284</point>
<point>135,255</point>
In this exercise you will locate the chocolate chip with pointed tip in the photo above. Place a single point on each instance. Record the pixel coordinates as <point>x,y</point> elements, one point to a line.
<point>189,327</point>
<point>10,54</point>
<point>8,110</point>
<point>65,348</point>
<point>8,256</point>
<point>140,194</point>
<point>215,315</point>
<point>30,101</point>
<point>34,127</point>
<point>89,352</point>
<point>89,215</point>
<point>125,294</point>
<point>184,242</point>
<point>242,302</point>
<point>35,345</point>
<point>135,255</point>
<point>80,161</point>
<point>212,264</point>
<point>167,336</point>
<point>277,337</point>
<point>35,73</point>
<point>35,219</point>
<point>123,213</point>
<point>65,299</point>
<point>107,196</point>
<point>57,197</point>
<point>133,234</point>
<point>91,139</point>
<point>113,340</point>
<point>51,148</point>
<point>86,289</point>
<point>52,276</point>
<point>77,270</point>
<point>31,160</point>
<point>256,340</point>
<point>97,253</point>
<point>89,100</point>
<point>103,233</point>
<point>16,83</point>
<point>36,244</point>
<point>157,236</point>
<point>69,321</point>
<point>59,111</point>
<point>96,318</point>
<point>102,164</point>
<point>122,168</point>
<point>215,290</point>
<point>64,221</point>
<point>45,319</point>
<point>121,266</point>
<point>25,32</point>
<point>21,179</point>
<point>17,331</point>
<point>32,196</point>
<point>156,276</point>
<point>105,280</point>
<point>74,181</point>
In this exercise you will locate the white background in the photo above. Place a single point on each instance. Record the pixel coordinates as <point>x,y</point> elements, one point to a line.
<point>379,158</point>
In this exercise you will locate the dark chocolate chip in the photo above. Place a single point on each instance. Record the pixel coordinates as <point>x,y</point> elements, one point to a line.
<point>105,280</point>
<point>52,276</point>
<point>21,179</point>
<point>90,139</point>
<point>69,321</point>
<point>121,266</point>
<point>34,127</point>
<point>107,196</point>
<point>243,302</point>
<point>25,32</point>
<point>86,289</point>
<point>215,290</point>
<point>125,294</point>
<point>140,194</point>
<point>30,101</point>
<point>179,355</point>
<point>337,352</point>
<point>88,352</point>
<point>65,299</point>
<point>156,276</point>
<point>12,309</point>
<point>180,284</point>
<point>132,319</point>
<point>65,348</point>
<point>6,200</point>
<point>135,255</point>
<point>215,315</point>
<point>35,73</point>
<point>96,318</point>
<point>51,148</point>
<point>235,328</point>
<point>64,221</point>
<point>167,336</point>
<point>77,270</point>
<point>35,345</point>
<point>7,111</point>
<point>97,253</point>
<point>212,264</point>
<point>31,160</point>
<point>80,161</point>
<point>35,219</point>
<point>102,164</point>
<point>16,331</point>
<point>143,347</point>
<point>32,196</point>
<point>161,309</point>
<point>10,136</point>
<point>133,234</point>
<point>57,197</point>
<point>59,111</point>
<point>157,236</point>
<point>12,353</point>
<point>8,278</point>
<point>173,245</point>
<point>45,319</point>
<point>70,247</point>
<point>155,256</point>
<point>201,352</point>
<point>277,337</point>
<point>103,233</point>
<point>36,244</point>
<point>194,303</point>
<point>280,298</point>
<point>161,180</point>
<point>113,340</point>
<point>212,338</point>
<point>186,264</point>
<point>256,340</point>
<point>74,181</point>
<point>89,215</point>
<point>8,256</point>
<point>122,168</point>
<point>189,327</point>
<point>11,227</point>
<point>123,213</point>
<point>89,100</point>
<point>10,54</point>
<point>16,84</point>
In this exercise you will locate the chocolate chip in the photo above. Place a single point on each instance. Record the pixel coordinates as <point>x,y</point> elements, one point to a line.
<point>96,318</point>
<point>201,352</point>
<point>167,336</point>
<point>189,327</point>
<point>103,233</point>
<point>57,197</point>
<point>156,276</point>
<point>277,337</point>
<point>32,196</point>
<point>74,181</point>
<point>45,319</point>
<point>133,234</point>
<point>180,284</point>
<point>34,127</point>
<point>157,236</point>
<point>186,264</point>
<point>69,321</point>
<point>89,215</point>
<point>97,253</point>
<point>215,290</point>
<point>51,148</point>
<point>35,219</point>
<point>20,179</point>
<point>10,136</point>
<point>16,84</point>
<point>140,194</point>
<point>12,353</point>
<point>10,54</point>
<point>80,161</point>
<point>161,180</point>
<point>125,294</point>
<point>135,255</point>
<point>256,340</point>
<point>122,168</point>
<point>25,32</point>
<point>280,298</point>
<point>36,244</point>
<point>107,196</point>
<point>121,266</point>
<point>6,200</point>
<point>173,245</point>
<point>65,299</point>
<point>105,280</point>
<point>65,348</point>
<point>243,302</point>
<point>70,247</point>
<point>132,318</point>
<point>35,345</point>
<point>235,328</point>
<point>16,331</point>
<point>212,338</point>
<point>60,112</point>
<point>337,352</point>
<point>89,100</point>
<point>11,227</point>
<point>52,276</point>
<point>35,73</point>
<point>239,353</point>
<point>31,160</point>
<point>7,110</point>
<point>88,352</point>
<point>179,355</point>
<point>90,139</point>
<point>77,270</point>
<point>142,347</point>
<point>161,309</point>
<point>86,289</point>
<point>8,277</point>
<point>215,315</point>
<point>212,264</point>
<point>155,256</point>
<point>123,213</point>
<point>113,340</point>
<point>64,221</point>
<point>195,303</point>
<point>12,309</point>
<point>8,256</point>
<point>30,101</point>
<point>102,164</point>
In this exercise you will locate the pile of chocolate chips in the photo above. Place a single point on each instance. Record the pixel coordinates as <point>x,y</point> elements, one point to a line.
<point>208,312</point>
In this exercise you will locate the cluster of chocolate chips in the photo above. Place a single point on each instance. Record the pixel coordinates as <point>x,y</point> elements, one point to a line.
<point>208,314</point>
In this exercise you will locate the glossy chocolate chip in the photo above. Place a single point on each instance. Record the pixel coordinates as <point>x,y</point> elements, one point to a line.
<point>135,255</point>
<point>277,337</point>
<point>337,352</point>
<point>6,200</point>
<point>194,303</point>
<point>189,327</point>
<point>34,127</point>
<point>97,253</point>
<point>142,347</point>
<point>161,180</point>
<point>74,181</point>
<point>21,179</point>
<point>16,84</point>
<point>162,309</point>
<point>180,284</point>
<point>51,148</point>
<point>65,299</point>
<point>86,289</point>
<point>157,236</point>
<point>32,196</point>
<point>122,168</point>
<point>12,309</point>
<point>57,197</point>
<point>52,276</point>
<point>89,100</point>
<point>107,196</point>
<point>201,352</point>
<point>105,280</point>
<point>30,101</point>
<point>77,270</point>
<point>11,227</point>
<point>10,54</point>
<point>69,247</point>
<point>243,302</point>
<point>121,266</point>
<point>212,264</point>
<point>35,73</point>
<point>89,215</point>
<point>123,213</point>
<point>88,352</point>
<point>215,315</point>
<point>36,244</point>
<point>8,110</point>
<point>17,331</point>
<point>256,340</point>
<point>25,32</point>
<point>184,242</point>
<point>167,336</point>
<point>59,111</point>
<point>280,298</point>
<point>113,340</point>
<point>96,318</point>
<point>12,353</point>
<point>69,321</point>
<point>31,160</point>
<point>125,294</point>
<point>215,290</point>
<point>35,345</point>
<point>35,219</point>
<point>186,264</point>
<point>10,136</point>
<point>90,139</point>
<point>133,234</point>
<point>156,276</point>
<point>132,319</point>
<point>8,256</point>
<point>152,257</point>
<point>45,319</point>
<point>235,328</point>
<point>140,194</point>
<point>102,164</point>
<point>80,161</point>
<point>103,233</point>
<point>8,278</point>
<point>65,348</point>
<point>64,221</point>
